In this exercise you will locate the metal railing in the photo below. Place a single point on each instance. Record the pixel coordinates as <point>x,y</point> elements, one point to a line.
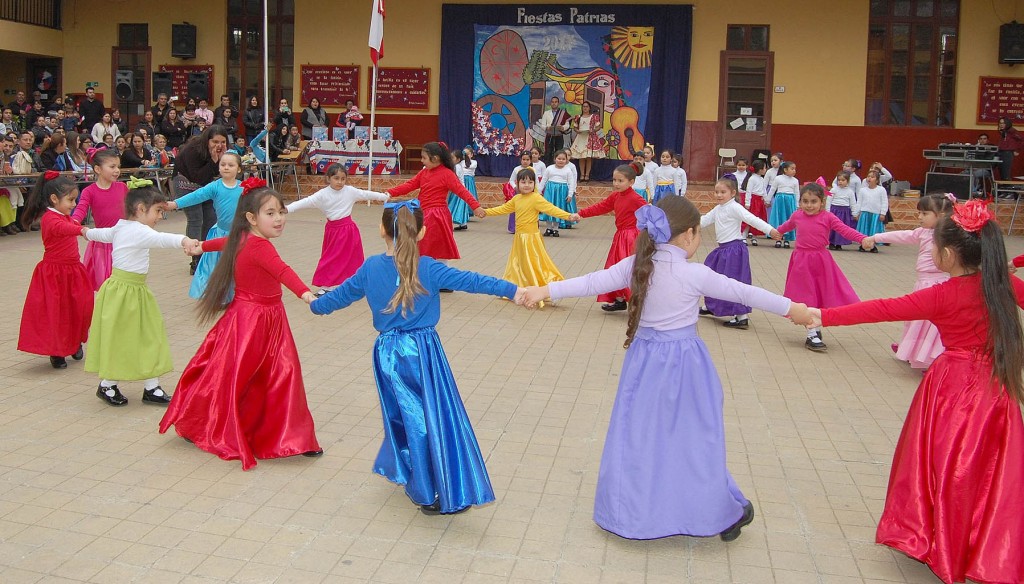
<point>38,12</point>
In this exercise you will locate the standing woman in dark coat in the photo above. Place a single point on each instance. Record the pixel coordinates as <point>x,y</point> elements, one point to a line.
<point>196,166</point>
<point>314,115</point>
<point>253,119</point>
<point>1010,142</point>
<point>173,129</point>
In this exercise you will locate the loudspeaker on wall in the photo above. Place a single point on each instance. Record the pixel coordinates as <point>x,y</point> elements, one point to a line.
<point>199,86</point>
<point>124,84</point>
<point>1011,43</point>
<point>162,84</point>
<point>183,41</point>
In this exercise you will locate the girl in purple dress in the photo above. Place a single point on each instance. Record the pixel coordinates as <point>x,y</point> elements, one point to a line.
<point>663,470</point>
<point>813,277</point>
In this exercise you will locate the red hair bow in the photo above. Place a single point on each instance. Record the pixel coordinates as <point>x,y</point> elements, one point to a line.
<point>251,183</point>
<point>972,215</point>
<point>51,174</point>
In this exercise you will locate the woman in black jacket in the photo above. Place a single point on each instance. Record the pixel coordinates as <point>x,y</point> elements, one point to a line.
<point>253,119</point>
<point>173,129</point>
<point>137,155</point>
<point>196,166</point>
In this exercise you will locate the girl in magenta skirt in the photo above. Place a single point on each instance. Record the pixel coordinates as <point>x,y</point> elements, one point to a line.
<point>342,251</point>
<point>814,278</point>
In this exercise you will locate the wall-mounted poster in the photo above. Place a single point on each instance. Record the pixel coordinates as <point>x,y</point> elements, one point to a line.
<point>402,88</point>
<point>331,84</point>
<point>1000,97</point>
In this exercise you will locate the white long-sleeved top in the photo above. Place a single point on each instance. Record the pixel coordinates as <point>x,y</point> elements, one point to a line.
<point>770,174</point>
<point>468,170</point>
<point>336,204</point>
<point>645,181</point>
<point>566,174</point>
<point>538,167</point>
<point>842,197</point>
<point>460,171</point>
<point>651,166</point>
<point>739,179</point>
<point>131,242</point>
<point>756,187</point>
<point>667,173</point>
<point>873,200</point>
<point>855,182</point>
<point>783,184</point>
<point>729,218</point>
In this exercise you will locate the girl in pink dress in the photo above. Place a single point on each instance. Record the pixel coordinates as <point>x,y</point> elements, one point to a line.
<point>813,277</point>
<point>106,199</point>
<point>920,344</point>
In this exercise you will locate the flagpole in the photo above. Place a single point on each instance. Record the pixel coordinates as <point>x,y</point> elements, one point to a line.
<point>373,121</point>
<point>266,95</point>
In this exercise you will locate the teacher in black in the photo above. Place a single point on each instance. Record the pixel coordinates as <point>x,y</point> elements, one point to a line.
<point>196,166</point>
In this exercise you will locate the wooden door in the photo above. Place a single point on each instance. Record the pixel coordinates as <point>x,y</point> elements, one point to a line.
<point>745,101</point>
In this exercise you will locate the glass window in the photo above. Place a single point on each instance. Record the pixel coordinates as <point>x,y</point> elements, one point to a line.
<point>245,48</point>
<point>911,62</point>
<point>746,37</point>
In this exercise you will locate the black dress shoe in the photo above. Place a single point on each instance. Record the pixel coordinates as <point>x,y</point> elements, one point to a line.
<point>156,396</point>
<point>554,233</point>
<point>58,363</point>
<point>79,354</point>
<point>734,531</point>
<point>111,395</point>
<point>614,306</point>
<point>737,323</point>
<point>446,290</point>
<point>432,509</point>
<point>705,312</point>
<point>314,453</point>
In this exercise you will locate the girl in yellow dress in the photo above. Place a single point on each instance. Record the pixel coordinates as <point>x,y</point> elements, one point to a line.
<point>528,261</point>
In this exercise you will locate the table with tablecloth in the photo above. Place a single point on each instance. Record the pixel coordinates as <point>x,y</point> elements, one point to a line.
<point>355,155</point>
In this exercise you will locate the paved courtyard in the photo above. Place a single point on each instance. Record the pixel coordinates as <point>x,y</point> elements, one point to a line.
<point>89,493</point>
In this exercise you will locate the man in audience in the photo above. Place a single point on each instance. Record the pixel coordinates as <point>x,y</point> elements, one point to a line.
<point>91,110</point>
<point>204,111</point>
<point>225,104</point>
<point>160,109</point>
<point>20,105</point>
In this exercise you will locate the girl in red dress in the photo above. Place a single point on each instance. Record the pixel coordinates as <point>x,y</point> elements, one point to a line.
<point>624,202</point>
<point>241,396</point>
<point>58,306</point>
<point>954,498</point>
<point>434,182</point>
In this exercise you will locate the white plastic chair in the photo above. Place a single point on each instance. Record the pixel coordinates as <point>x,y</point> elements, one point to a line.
<point>726,161</point>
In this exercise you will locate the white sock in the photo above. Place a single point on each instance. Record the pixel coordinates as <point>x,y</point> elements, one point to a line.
<point>107,383</point>
<point>740,317</point>
<point>152,383</point>
<point>811,333</point>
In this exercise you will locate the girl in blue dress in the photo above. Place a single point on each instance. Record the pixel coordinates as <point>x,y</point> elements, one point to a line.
<point>429,445</point>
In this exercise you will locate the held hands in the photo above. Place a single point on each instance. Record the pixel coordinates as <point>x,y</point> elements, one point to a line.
<point>520,297</point>
<point>799,313</point>
<point>774,234</point>
<point>868,243</point>
<point>86,230</point>
<point>479,213</point>
<point>308,297</point>
<point>1009,265</point>
<point>170,206</point>
<point>192,247</point>
<point>815,314</point>
<point>533,295</point>
<point>575,217</point>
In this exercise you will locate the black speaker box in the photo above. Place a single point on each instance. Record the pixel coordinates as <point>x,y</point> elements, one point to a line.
<point>162,84</point>
<point>1011,43</point>
<point>124,84</point>
<point>199,86</point>
<point>183,41</point>
<point>941,182</point>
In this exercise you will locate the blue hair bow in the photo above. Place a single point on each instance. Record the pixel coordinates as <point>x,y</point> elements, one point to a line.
<point>411,204</point>
<point>653,219</point>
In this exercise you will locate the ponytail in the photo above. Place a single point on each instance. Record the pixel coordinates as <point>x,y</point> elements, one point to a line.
<point>643,268</point>
<point>1005,337</point>
<point>403,222</point>
<point>48,184</point>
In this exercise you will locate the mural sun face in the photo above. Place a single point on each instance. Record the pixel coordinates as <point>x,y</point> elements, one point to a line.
<point>632,45</point>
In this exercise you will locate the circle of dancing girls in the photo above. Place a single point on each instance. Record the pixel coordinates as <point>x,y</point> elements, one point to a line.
<point>342,251</point>
<point>558,185</point>
<point>920,343</point>
<point>623,202</point>
<point>528,261</point>
<point>731,258</point>
<point>197,164</point>
<point>241,396</point>
<point>105,198</point>
<point>656,448</point>
<point>813,277</point>
<point>59,303</point>
<point>434,182</point>
<point>127,338</point>
<point>783,193</point>
<point>224,194</point>
<point>953,500</point>
<point>429,445</point>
